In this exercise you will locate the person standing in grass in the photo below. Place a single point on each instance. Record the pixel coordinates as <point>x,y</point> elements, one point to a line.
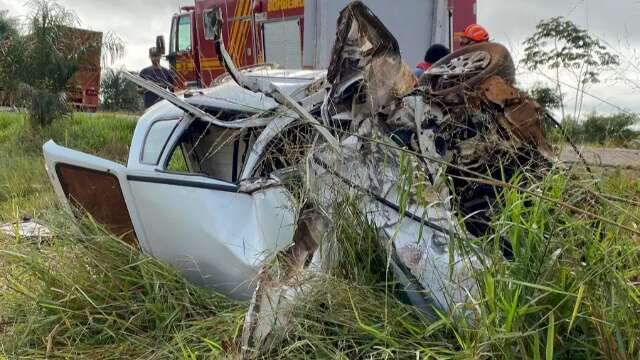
<point>161,76</point>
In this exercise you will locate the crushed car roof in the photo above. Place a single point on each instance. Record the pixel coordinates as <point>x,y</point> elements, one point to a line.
<point>228,95</point>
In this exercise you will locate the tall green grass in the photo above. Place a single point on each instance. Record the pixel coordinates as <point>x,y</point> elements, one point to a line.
<point>87,295</point>
<point>24,186</point>
<point>571,291</point>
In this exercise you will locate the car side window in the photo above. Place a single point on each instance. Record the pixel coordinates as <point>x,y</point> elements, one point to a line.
<point>177,161</point>
<point>156,139</point>
<point>209,150</point>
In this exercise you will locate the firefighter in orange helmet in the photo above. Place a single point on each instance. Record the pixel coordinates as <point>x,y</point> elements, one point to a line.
<point>474,34</point>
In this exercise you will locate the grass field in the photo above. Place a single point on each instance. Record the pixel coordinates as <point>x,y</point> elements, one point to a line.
<point>24,186</point>
<point>572,290</point>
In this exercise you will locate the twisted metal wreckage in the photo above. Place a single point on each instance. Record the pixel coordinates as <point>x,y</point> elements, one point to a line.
<point>268,153</point>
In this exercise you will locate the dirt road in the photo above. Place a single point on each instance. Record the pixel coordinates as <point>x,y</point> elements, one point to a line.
<point>604,156</point>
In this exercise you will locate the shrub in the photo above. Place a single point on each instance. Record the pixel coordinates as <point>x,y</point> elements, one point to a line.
<point>602,129</point>
<point>613,128</point>
<point>119,94</point>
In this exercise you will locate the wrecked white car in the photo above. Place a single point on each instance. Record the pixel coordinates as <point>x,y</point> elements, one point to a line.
<point>236,185</point>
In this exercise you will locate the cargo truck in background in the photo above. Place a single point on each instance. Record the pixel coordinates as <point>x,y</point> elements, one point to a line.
<point>84,86</point>
<point>298,34</point>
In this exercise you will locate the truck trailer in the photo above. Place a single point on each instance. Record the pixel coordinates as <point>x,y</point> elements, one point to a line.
<point>84,86</point>
<point>299,34</point>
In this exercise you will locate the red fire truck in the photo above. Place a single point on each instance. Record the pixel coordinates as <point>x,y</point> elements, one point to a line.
<point>299,33</point>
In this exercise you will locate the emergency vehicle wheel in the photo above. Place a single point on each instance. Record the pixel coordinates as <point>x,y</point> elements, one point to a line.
<point>466,68</point>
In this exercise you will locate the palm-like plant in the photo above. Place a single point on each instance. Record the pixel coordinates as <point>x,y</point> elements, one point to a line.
<point>118,93</point>
<point>8,35</point>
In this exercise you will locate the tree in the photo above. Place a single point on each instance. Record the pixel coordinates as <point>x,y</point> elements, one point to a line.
<point>8,26</point>
<point>118,93</point>
<point>8,34</point>
<point>609,128</point>
<point>42,69</point>
<point>602,129</point>
<point>43,60</point>
<point>558,44</point>
<point>545,96</point>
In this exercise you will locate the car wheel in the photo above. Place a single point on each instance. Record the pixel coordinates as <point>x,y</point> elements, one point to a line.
<point>468,67</point>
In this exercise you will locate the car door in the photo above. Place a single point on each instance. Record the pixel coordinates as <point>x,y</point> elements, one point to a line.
<point>196,217</point>
<point>97,186</point>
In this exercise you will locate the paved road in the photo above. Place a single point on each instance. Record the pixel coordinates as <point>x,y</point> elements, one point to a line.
<point>604,156</point>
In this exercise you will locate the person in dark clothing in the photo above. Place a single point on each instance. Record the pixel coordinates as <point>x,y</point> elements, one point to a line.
<point>433,54</point>
<point>163,77</point>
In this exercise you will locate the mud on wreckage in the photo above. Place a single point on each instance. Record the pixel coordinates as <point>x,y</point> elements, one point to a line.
<point>239,185</point>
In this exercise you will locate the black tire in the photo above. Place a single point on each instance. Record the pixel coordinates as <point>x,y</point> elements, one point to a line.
<point>501,64</point>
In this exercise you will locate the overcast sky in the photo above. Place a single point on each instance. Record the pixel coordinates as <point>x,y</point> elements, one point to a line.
<point>137,22</point>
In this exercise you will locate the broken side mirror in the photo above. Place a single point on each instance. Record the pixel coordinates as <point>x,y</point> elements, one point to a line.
<point>213,23</point>
<point>160,47</point>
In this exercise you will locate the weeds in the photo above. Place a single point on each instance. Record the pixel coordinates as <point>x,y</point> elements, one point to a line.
<point>88,294</point>
<point>24,186</point>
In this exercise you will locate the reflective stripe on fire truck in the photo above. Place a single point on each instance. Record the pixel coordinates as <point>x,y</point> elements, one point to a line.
<point>185,65</point>
<point>210,64</point>
<point>234,25</point>
<point>239,30</point>
<point>244,32</point>
<point>237,37</point>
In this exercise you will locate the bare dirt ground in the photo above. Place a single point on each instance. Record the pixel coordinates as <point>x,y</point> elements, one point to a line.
<point>604,156</point>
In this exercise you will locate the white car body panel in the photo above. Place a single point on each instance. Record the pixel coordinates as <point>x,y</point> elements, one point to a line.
<point>218,238</point>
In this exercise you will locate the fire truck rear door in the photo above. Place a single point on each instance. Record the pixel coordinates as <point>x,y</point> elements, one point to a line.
<point>282,43</point>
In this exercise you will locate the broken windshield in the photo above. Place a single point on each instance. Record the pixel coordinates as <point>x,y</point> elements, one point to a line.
<point>213,151</point>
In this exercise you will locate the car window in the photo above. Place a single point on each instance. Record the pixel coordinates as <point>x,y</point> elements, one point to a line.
<point>184,33</point>
<point>213,151</point>
<point>177,161</point>
<point>210,21</point>
<point>156,139</point>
